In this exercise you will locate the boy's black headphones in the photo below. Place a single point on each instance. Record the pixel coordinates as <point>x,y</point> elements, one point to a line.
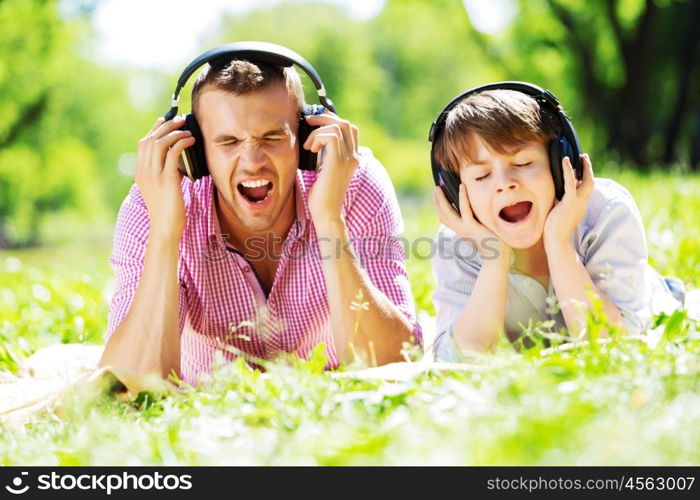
<point>193,160</point>
<point>565,144</point>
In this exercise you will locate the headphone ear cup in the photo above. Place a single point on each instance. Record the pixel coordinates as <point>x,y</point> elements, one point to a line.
<point>556,156</point>
<point>307,159</point>
<point>193,160</point>
<point>569,150</point>
<point>449,182</point>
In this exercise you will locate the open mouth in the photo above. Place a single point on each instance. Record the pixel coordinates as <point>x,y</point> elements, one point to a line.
<point>255,191</point>
<point>515,212</point>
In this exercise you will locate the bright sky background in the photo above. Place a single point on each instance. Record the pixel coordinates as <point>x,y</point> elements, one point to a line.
<point>490,16</point>
<point>162,34</point>
<point>165,33</point>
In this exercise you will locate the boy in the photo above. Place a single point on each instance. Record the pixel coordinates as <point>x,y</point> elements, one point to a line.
<point>527,245</point>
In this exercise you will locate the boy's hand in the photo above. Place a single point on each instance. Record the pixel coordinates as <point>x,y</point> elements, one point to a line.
<point>465,225</point>
<point>567,213</point>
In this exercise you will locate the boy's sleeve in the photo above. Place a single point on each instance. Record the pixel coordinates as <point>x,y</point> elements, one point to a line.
<point>615,255</point>
<point>456,268</point>
<point>127,259</point>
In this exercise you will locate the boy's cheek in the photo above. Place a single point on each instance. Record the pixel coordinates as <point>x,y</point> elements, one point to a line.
<point>481,207</point>
<point>488,221</point>
<point>547,192</point>
<point>477,210</point>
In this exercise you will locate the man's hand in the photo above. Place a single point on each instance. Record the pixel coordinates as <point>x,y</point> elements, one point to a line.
<point>148,338</point>
<point>158,177</point>
<point>568,213</point>
<point>465,225</point>
<point>341,158</point>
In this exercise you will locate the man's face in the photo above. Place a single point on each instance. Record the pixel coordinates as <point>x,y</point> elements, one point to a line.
<point>511,194</point>
<point>251,147</point>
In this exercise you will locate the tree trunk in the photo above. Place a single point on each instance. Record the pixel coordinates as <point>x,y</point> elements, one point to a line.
<point>688,62</point>
<point>631,125</point>
<point>4,240</point>
<point>695,143</point>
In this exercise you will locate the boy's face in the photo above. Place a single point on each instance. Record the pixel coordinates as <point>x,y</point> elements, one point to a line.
<point>512,193</point>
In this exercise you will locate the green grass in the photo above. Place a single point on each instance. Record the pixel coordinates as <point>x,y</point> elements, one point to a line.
<point>52,295</point>
<point>629,401</point>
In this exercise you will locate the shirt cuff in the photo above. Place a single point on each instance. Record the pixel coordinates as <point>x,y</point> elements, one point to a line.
<point>446,349</point>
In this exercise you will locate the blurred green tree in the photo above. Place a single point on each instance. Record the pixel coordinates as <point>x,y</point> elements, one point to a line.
<point>390,75</point>
<point>626,70</point>
<point>631,67</point>
<point>62,129</point>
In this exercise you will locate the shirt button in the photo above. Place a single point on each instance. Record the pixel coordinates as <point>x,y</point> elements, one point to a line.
<point>246,269</point>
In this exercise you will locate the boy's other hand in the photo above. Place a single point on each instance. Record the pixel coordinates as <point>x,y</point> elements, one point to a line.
<point>568,213</point>
<point>466,226</point>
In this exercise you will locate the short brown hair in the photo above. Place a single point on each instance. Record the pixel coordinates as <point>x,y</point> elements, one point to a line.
<point>240,77</point>
<point>504,119</point>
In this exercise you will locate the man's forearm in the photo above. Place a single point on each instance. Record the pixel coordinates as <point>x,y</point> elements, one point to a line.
<point>483,318</point>
<point>148,339</point>
<point>374,325</point>
<point>572,283</point>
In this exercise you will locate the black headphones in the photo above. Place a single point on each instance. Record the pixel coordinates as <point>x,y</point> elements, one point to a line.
<point>565,144</point>
<point>193,161</point>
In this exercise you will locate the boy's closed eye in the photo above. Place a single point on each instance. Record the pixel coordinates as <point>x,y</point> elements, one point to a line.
<point>484,175</point>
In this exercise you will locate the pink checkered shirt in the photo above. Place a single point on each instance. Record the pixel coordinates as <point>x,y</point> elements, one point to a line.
<point>223,306</point>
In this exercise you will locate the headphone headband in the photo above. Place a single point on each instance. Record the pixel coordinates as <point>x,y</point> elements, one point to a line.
<point>538,93</point>
<point>269,53</point>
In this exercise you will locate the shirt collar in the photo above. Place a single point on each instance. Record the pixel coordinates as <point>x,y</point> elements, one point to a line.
<point>302,204</point>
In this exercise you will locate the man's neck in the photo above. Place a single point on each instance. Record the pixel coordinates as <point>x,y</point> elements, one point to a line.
<point>238,234</point>
<point>533,262</point>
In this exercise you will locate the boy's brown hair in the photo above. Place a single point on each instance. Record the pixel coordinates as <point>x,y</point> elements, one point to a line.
<point>504,119</point>
<point>241,77</point>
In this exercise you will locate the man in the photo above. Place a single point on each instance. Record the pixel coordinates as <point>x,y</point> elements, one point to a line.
<point>259,257</point>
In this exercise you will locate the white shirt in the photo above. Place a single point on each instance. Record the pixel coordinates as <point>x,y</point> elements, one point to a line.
<point>611,244</point>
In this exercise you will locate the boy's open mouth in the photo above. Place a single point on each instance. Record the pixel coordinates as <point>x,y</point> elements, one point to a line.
<point>255,191</point>
<point>515,212</point>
